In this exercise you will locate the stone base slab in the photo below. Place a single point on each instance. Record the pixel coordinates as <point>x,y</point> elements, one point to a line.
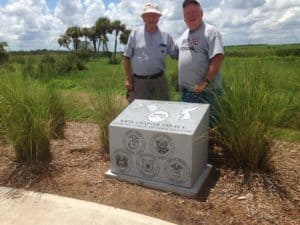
<point>189,192</point>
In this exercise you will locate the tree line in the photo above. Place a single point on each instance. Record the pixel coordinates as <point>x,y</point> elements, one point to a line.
<point>94,36</point>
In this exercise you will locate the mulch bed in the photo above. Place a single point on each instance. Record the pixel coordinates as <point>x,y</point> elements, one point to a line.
<point>231,197</point>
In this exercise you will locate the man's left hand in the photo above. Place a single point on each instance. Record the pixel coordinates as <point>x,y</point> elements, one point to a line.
<point>200,87</point>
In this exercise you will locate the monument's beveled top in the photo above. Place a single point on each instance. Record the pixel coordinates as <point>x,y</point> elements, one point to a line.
<point>163,116</point>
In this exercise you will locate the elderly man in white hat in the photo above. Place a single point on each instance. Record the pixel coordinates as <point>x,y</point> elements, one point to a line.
<point>144,58</point>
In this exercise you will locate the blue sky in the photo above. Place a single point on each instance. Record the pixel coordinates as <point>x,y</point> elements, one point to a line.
<point>37,24</point>
<point>51,4</point>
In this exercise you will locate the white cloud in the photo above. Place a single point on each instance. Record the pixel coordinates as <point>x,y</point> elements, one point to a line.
<point>78,12</point>
<point>241,4</point>
<point>69,12</point>
<point>29,24</point>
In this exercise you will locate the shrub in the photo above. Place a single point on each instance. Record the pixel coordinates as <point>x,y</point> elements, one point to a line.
<point>70,62</point>
<point>290,116</point>
<point>3,53</point>
<point>46,68</point>
<point>7,67</point>
<point>84,55</point>
<point>287,52</point>
<point>114,60</point>
<point>248,111</point>
<point>30,116</point>
<point>51,67</point>
<point>64,65</point>
<point>55,114</point>
<point>28,69</point>
<point>3,57</point>
<point>107,108</point>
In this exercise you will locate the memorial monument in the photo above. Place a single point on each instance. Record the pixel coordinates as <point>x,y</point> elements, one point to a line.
<point>162,145</point>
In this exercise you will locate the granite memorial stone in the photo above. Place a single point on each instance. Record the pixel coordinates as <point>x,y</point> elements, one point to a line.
<point>162,145</point>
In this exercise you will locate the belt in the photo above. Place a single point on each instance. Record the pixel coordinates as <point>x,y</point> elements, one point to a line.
<point>152,76</point>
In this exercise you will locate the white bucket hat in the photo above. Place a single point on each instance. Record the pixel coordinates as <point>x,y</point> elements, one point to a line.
<point>151,8</point>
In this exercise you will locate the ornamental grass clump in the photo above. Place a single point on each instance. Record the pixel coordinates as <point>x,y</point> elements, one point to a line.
<point>248,113</point>
<point>31,115</point>
<point>55,113</point>
<point>107,108</point>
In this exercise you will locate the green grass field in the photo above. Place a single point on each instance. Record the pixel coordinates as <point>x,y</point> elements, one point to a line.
<point>277,66</point>
<point>261,88</point>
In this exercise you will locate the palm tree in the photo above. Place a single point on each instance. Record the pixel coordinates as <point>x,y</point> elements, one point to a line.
<point>104,41</point>
<point>117,26</point>
<point>92,35</point>
<point>85,33</point>
<point>124,36</point>
<point>74,33</point>
<point>64,41</point>
<point>103,26</point>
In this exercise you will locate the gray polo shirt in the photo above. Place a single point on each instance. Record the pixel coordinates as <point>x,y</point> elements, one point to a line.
<point>196,49</point>
<point>147,51</point>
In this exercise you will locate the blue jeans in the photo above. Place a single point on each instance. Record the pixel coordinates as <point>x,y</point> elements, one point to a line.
<point>206,97</point>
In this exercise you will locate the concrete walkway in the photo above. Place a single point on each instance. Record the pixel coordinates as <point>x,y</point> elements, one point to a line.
<point>18,207</point>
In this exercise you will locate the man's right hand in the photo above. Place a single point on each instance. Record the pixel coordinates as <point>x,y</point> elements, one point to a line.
<point>128,85</point>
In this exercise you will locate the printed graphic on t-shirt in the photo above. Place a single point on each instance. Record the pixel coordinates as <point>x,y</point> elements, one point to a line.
<point>190,44</point>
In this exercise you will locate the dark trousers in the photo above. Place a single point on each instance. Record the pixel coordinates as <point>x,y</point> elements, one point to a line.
<point>206,97</point>
<point>152,89</point>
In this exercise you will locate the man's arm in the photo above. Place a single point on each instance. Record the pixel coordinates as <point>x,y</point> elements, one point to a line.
<point>127,69</point>
<point>213,68</point>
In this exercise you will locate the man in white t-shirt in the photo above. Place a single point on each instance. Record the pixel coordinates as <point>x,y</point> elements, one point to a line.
<point>144,58</point>
<point>201,54</point>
